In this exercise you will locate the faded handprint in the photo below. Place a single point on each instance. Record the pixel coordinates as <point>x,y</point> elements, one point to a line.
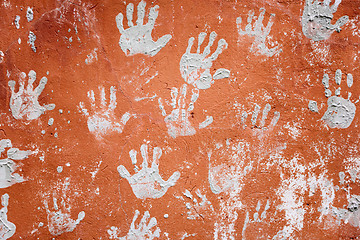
<point>60,221</point>
<point>142,231</point>
<point>102,120</point>
<point>259,32</point>
<point>177,121</point>
<point>316,19</point>
<point>137,38</point>
<point>340,112</point>
<point>147,183</point>
<point>24,104</point>
<point>195,67</point>
<point>255,115</point>
<point>7,229</point>
<point>8,166</point>
<point>256,217</point>
<point>197,204</point>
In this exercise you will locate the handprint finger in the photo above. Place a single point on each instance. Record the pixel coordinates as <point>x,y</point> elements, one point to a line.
<point>334,6</point>
<point>136,215</point>
<point>50,106</point>
<point>194,97</point>
<point>119,23</point>
<point>124,173</point>
<point>133,154</point>
<point>255,114</point>
<point>211,42</point>
<point>339,23</point>
<point>112,104</point>
<point>209,120</point>
<point>102,96</point>
<point>125,118</point>
<point>152,223</point>
<point>129,14</point>
<point>275,118</point>
<point>160,43</point>
<point>91,97</point>
<point>201,38</point>
<point>32,78</point>
<point>221,73</point>
<point>182,97</point>
<point>269,25</point>
<point>11,85</point>
<point>157,152</point>
<point>154,12</point>
<point>248,28</point>
<point>349,80</point>
<point>174,95</point>
<point>161,106</point>
<point>190,43</point>
<point>81,216</point>
<point>38,90</point>
<point>144,154</point>
<point>141,13</point>
<point>173,178</point>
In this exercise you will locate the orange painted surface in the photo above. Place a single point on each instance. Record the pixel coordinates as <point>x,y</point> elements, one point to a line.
<point>229,144</point>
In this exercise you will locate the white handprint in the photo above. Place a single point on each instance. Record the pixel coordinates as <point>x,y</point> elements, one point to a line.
<point>147,183</point>
<point>316,19</point>
<point>137,38</point>
<point>195,67</point>
<point>7,229</point>
<point>177,121</point>
<point>102,120</point>
<point>340,112</point>
<point>198,204</point>
<point>24,104</point>
<point>142,231</point>
<point>8,166</point>
<point>256,217</point>
<point>259,32</point>
<point>60,221</point>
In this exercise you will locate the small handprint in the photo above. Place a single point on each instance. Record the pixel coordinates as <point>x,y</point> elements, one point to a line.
<point>177,121</point>
<point>340,112</point>
<point>256,217</point>
<point>60,221</point>
<point>147,183</point>
<point>7,229</point>
<point>259,32</point>
<point>316,19</point>
<point>8,166</point>
<point>142,231</point>
<point>255,115</point>
<point>137,38</point>
<point>103,120</point>
<point>24,104</point>
<point>195,67</point>
<point>197,205</point>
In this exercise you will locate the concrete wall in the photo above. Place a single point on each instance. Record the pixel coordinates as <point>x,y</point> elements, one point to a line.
<point>178,119</point>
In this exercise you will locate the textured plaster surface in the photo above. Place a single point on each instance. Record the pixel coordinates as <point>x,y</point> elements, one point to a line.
<point>185,119</point>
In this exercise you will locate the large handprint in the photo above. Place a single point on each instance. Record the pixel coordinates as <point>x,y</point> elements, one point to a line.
<point>137,38</point>
<point>316,19</point>
<point>177,121</point>
<point>195,67</point>
<point>103,120</point>
<point>24,104</point>
<point>147,183</point>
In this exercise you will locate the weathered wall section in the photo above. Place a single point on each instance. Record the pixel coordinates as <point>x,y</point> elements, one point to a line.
<point>182,119</point>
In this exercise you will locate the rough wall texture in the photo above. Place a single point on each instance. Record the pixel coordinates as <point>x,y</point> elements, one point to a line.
<point>182,119</point>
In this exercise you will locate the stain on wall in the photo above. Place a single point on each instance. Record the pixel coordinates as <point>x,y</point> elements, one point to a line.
<point>179,119</point>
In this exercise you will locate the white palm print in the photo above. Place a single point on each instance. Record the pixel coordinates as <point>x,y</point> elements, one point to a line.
<point>141,231</point>
<point>259,32</point>
<point>195,67</point>
<point>147,182</point>
<point>59,219</point>
<point>177,121</point>
<point>137,38</point>
<point>316,19</point>
<point>102,119</point>
<point>340,112</point>
<point>24,104</point>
